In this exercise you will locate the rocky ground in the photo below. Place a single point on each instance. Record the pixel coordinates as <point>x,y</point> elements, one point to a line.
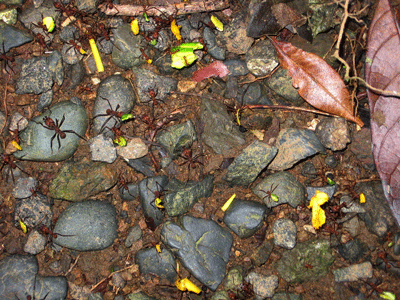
<point>119,186</point>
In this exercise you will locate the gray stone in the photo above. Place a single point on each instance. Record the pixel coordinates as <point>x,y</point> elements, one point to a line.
<point>126,52</point>
<point>161,264</point>
<point>285,232</point>
<point>262,253</point>
<point>202,245</point>
<point>182,196</point>
<point>87,226</point>
<point>378,217</point>
<point>102,149</point>
<point>262,20</point>
<point>35,77</point>
<point>220,295</point>
<point>177,138</point>
<point>281,83</point>
<point>333,133</point>
<point>134,234</point>
<point>234,36</point>
<point>19,278</point>
<point>9,16</point>
<point>236,67</point>
<point>135,148</point>
<point>70,54</point>
<point>244,217</point>
<point>396,246</point>
<point>261,59</point>
<point>68,33</point>
<point>354,272</point>
<point>219,131</point>
<point>140,296</point>
<point>24,187</point>
<point>45,100</point>
<point>129,194</point>
<point>316,253</point>
<point>294,145</point>
<point>78,180</point>
<point>217,52</point>
<point>324,16</point>
<point>34,211</point>
<point>145,80</point>
<point>353,250</point>
<point>263,286</point>
<point>253,159</point>
<point>114,91</point>
<point>255,94</point>
<point>88,6</point>
<point>282,184</point>
<point>35,243</point>
<point>12,37</point>
<point>234,279</point>
<point>38,143</point>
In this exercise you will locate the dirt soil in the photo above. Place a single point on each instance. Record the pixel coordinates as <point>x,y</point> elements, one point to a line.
<point>88,268</point>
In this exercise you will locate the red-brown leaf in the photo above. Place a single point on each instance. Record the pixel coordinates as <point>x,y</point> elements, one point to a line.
<point>216,68</point>
<point>382,69</point>
<point>318,83</point>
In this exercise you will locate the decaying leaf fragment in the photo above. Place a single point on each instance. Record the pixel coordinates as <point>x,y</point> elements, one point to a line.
<point>317,82</point>
<point>382,71</point>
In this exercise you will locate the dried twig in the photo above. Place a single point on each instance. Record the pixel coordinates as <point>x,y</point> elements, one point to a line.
<point>182,8</point>
<point>73,265</point>
<point>336,54</point>
<point>109,276</point>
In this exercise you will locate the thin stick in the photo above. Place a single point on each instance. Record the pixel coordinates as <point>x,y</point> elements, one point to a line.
<point>73,265</point>
<point>182,8</point>
<point>313,111</point>
<point>104,279</point>
<point>346,65</point>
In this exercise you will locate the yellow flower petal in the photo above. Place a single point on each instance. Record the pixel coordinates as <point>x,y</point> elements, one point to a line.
<point>318,214</point>
<point>362,198</point>
<point>186,285</point>
<point>175,30</point>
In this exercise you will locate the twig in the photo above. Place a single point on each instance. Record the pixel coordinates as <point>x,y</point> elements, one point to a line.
<point>104,279</point>
<point>347,76</point>
<point>73,265</point>
<point>260,78</point>
<point>313,111</point>
<point>182,8</point>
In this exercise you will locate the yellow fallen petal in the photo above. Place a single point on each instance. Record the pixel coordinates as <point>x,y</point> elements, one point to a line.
<point>217,23</point>
<point>186,285</point>
<point>96,56</point>
<point>227,203</point>
<point>158,203</point>
<point>16,145</point>
<point>319,199</point>
<point>318,216</point>
<point>23,226</point>
<point>135,26</point>
<point>158,248</point>
<point>175,30</point>
<point>362,198</point>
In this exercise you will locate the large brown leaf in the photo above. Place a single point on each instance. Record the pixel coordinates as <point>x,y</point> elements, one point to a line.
<point>382,69</point>
<point>318,83</point>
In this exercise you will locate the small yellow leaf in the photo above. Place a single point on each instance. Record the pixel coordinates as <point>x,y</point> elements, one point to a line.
<point>158,202</point>
<point>227,203</point>
<point>16,145</point>
<point>186,285</point>
<point>362,198</point>
<point>217,23</point>
<point>158,248</point>
<point>135,26</point>
<point>23,226</point>
<point>318,214</point>
<point>176,30</point>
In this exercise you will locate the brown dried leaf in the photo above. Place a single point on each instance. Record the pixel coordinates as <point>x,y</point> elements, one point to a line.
<point>382,69</point>
<point>318,83</point>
